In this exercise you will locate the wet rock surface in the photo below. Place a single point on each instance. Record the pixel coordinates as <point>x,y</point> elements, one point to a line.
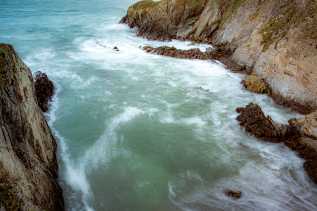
<point>44,90</point>
<point>220,53</point>
<point>298,135</point>
<point>234,194</point>
<point>28,163</point>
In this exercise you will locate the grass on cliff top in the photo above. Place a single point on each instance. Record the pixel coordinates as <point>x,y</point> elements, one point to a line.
<point>145,4</point>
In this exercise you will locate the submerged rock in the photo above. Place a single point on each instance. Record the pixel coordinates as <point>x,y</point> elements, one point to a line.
<point>28,163</point>
<point>235,194</point>
<point>44,90</point>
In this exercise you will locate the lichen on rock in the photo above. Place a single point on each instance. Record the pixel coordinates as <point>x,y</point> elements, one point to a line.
<point>256,84</point>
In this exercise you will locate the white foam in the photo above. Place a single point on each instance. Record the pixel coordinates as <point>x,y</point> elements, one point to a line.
<point>102,150</point>
<point>74,177</point>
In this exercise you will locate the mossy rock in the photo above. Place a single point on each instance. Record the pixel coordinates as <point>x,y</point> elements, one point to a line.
<point>140,7</point>
<point>255,84</point>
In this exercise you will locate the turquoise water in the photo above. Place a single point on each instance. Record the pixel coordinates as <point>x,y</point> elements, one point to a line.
<point>143,132</point>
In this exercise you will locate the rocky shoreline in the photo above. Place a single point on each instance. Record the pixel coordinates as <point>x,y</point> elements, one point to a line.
<point>300,135</point>
<point>28,161</point>
<point>220,53</point>
<point>251,37</point>
<point>276,40</point>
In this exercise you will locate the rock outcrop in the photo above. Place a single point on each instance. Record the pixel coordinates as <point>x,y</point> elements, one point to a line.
<point>44,90</point>
<point>299,135</point>
<point>278,39</point>
<point>220,53</point>
<point>28,163</point>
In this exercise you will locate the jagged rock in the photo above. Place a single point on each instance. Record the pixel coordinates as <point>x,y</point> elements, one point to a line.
<point>298,135</point>
<point>161,19</point>
<point>194,53</point>
<point>255,84</point>
<point>278,39</point>
<point>28,163</point>
<point>44,90</point>
<point>220,53</point>
<point>255,122</point>
<point>235,194</point>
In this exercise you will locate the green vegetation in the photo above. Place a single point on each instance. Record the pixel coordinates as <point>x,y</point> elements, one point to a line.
<point>143,5</point>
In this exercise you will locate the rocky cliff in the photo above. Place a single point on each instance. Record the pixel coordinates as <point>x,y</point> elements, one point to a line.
<point>276,38</point>
<point>28,164</point>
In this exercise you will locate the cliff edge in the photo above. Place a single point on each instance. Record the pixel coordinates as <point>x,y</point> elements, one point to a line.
<point>28,163</point>
<point>277,39</point>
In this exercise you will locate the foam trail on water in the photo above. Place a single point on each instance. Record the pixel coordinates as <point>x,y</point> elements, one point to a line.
<point>76,173</point>
<point>104,147</point>
<point>73,176</point>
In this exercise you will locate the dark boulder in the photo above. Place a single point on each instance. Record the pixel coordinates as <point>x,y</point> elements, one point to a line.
<point>234,194</point>
<point>44,90</point>
<point>255,122</point>
<point>298,135</point>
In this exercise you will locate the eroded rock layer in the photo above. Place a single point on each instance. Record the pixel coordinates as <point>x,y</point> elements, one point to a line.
<point>28,164</point>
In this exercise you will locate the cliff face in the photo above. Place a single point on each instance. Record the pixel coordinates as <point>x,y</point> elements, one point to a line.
<point>278,39</point>
<point>28,165</point>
